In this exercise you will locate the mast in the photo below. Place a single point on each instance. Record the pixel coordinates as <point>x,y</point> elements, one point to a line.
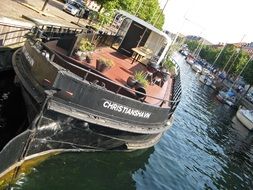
<point>238,53</point>
<point>217,57</point>
<point>244,67</point>
<point>232,54</point>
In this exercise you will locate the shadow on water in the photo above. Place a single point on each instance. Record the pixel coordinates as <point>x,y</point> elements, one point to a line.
<point>12,108</point>
<point>205,149</point>
<point>93,170</point>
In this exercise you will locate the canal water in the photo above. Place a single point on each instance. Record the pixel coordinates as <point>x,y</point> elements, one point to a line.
<point>206,148</point>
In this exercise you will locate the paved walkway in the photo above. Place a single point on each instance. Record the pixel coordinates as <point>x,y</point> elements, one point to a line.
<point>16,9</point>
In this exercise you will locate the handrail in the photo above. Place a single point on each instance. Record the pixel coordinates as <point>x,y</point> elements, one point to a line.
<point>110,81</point>
<point>15,23</point>
<point>39,30</point>
<point>120,86</point>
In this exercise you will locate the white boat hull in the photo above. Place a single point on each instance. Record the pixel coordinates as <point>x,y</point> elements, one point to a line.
<point>247,122</point>
<point>197,68</point>
<point>205,80</point>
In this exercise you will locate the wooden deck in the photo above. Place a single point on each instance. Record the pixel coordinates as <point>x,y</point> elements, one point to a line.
<point>123,68</point>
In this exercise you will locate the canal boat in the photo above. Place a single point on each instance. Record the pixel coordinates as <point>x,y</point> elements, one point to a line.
<point>190,59</point>
<point>73,105</point>
<point>197,68</point>
<point>206,79</point>
<point>245,116</point>
<point>227,97</point>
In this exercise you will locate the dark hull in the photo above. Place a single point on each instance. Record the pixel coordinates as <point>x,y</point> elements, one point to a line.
<point>73,126</point>
<point>51,132</point>
<point>73,107</point>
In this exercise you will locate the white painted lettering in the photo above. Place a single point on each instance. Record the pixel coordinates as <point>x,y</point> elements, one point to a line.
<point>126,110</point>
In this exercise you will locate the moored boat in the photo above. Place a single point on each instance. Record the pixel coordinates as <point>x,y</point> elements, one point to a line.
<point>226,97</point>
<point>190,59</point>
<point>206,79</point>
<point>72,105</point>
<point>197,68</point>
<point>245,117</point>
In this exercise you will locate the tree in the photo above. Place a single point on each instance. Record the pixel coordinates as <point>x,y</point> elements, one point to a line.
<point>102,3</point>
<point>192,44</point>
<point>128,5</point>
<point>248,73</point>
<point>230,59</point>
<point>148,10</point>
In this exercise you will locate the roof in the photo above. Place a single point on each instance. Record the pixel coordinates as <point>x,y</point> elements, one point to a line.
<point>143,23</point>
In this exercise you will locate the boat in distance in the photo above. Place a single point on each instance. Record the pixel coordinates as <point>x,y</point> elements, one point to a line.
<point>245,116</point>
<point>72,105</point>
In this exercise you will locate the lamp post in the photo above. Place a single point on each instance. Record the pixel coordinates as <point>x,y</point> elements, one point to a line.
<point>138,7</point>
<point>161,12</point>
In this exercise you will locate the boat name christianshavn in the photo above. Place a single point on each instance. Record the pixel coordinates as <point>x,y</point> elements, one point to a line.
<point>27,56</point>
<point>125,110</point>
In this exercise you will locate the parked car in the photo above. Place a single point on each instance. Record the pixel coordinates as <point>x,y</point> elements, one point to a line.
<point>75,8</point>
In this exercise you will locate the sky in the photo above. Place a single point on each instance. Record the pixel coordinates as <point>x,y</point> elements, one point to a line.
<point>227,21</point>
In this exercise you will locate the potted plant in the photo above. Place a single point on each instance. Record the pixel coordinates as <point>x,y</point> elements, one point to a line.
<point>88,57</point>
<point>131,82</point>
<point>140,78</point>
<point>169,66</point>
<point>103,64</point>
<point>86,45</point>
<point>85,49</point>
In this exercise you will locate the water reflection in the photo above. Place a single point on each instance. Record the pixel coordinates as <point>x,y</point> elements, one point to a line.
<point>12,109</point>
<point>205,149</point>
<point>93,170</point>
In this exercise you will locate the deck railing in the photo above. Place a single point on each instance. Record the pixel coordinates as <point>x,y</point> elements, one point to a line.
<point>12,32</point>
<point>51,32</point>
<point>121,89</point>
<point>86,72</point>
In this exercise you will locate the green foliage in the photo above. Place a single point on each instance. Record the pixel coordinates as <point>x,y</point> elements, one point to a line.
<point>103,3</point>
<point>209,53</point>
<point>149,10</point>
<point>248,73</point>
<point>93,16</point>
<point>236,60</point>
<point>109,63</point>
<point>86,45</point>
<point>105,18</point>
<point>169,65</point>
<point>128,5</point>
<point>140,77</point>
<point>241,60</point>
<point>192,44</point>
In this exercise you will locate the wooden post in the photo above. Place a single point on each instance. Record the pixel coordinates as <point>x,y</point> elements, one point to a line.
<point>44,6</point>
